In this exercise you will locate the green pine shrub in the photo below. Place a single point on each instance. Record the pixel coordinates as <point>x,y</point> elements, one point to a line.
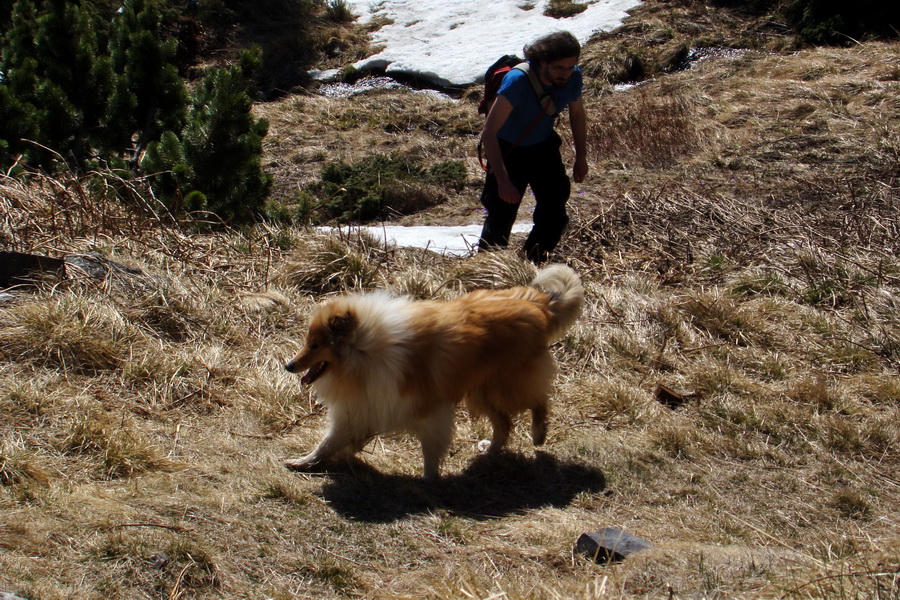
<point>80,89</point>
<point>829,21</point>
<point>838,21</point>
<point>282,28</point>
<point>213,164</point>
<point>56,82</point>
<point>151,97</point>
<point>83,87</point>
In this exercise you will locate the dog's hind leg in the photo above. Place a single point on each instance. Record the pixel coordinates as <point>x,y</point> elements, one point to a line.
<point>539,424</point>
<point>535,394</point>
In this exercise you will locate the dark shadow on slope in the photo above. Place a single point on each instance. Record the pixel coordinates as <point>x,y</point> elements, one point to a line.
<point>490,487</point>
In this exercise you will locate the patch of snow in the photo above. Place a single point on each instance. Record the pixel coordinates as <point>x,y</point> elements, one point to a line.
<point>367,84</point>
<point>459,240</point>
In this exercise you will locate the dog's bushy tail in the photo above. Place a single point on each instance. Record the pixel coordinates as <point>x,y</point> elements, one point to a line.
<point>566,296</point>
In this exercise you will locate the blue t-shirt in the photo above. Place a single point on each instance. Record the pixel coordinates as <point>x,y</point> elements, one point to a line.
<point>516,88</point>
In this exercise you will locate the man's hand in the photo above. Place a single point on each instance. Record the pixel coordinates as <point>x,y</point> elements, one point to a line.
<point>507,191</point>
<point>578,121</point>
<point>580,170</point>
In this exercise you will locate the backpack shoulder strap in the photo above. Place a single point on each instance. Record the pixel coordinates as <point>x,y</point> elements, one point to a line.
<point>544,98</point>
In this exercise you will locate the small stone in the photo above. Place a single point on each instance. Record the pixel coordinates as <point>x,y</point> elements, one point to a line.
<point>158,560</point>
<point>98,266</point>
<point>8,596</point>
<point>610,545</point>
<point>669,397</point>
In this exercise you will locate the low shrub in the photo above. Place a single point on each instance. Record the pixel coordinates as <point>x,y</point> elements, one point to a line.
<point>339,11</point>
<point>382,185</point>
<point>561,9</point>
<point>834,21</point>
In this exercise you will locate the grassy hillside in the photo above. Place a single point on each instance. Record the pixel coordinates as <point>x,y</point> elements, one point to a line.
<point>738,237</point>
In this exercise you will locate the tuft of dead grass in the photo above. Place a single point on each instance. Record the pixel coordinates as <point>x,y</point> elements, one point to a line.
<point>19,466</point>
<point>328,263</point>
<point>69,333</point>
<point>647,129</point>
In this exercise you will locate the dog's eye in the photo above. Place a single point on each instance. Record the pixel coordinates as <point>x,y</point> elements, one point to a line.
<point>313,346</point>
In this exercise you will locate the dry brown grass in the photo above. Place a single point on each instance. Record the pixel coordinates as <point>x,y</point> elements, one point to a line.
<point>153,467</point>
<point>145,415</point>
<point>307,132</point>
<point>648,129</point>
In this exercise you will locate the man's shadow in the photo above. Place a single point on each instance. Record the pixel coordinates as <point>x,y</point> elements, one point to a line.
<point>490,487</point>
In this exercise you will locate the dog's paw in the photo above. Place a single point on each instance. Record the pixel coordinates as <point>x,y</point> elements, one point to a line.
<point>300,464</point>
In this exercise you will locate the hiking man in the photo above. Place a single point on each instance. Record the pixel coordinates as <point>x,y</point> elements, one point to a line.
<point>523,149</point>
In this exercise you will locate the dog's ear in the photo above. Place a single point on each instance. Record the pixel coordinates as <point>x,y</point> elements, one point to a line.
<point>340,327</point>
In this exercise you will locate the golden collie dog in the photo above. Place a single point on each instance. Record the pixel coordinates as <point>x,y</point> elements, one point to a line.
<point>384,364</point>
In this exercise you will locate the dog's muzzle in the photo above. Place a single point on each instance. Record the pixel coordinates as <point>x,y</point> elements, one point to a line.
<point>311,375</point>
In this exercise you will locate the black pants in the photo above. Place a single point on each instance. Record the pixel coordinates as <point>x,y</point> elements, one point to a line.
<point>541,167</point>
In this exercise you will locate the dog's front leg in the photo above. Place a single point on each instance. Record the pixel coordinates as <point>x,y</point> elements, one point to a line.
<point>340,441</point>
<point>322,454</point>
<point>502,424</point>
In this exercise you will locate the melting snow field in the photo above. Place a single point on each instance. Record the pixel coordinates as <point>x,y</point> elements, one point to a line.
<point>452,42</point>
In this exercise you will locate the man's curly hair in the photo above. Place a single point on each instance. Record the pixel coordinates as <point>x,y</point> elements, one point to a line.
<point>552,47</point>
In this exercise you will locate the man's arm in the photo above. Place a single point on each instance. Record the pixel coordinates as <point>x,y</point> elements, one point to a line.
<point>497,116</point>
<point>578,122</point>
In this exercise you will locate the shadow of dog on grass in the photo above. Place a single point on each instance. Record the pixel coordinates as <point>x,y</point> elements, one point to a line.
<point>491,486</point>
